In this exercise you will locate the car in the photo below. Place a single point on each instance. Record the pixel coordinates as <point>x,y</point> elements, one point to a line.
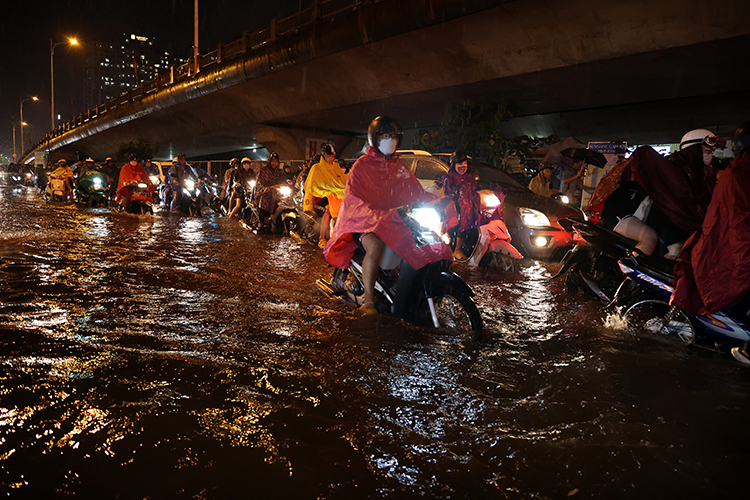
<point>533,221</point>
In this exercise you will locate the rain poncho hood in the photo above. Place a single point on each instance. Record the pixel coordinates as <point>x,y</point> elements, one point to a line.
<point>325,180</point>
<point>713,270</point>
<point>376,187</point>
<point>664,182</point>
<point>63,170</point>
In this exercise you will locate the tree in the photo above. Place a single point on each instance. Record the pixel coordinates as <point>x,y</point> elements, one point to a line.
<point>142,149</point>
<point>472,126</point>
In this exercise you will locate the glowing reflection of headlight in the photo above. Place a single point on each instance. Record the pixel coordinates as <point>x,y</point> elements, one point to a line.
<point>533,218</point>
<point>190,184</point>
<point>285,190</point>
<point>427,217</point>
<point>187,193</point>
<point>491,201</point>
<point>154,179</point>
<point>564,199</point>
<point>142,185</point>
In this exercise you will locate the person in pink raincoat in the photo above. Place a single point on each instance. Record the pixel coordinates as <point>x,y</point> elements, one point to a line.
<point>378,184</point>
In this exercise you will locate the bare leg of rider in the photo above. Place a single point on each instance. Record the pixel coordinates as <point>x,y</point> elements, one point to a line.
<point>374,247</point>
<point>644,234</point>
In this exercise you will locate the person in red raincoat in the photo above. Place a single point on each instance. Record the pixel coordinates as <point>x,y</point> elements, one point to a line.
<point>377,185</point>
<point>131,172</point>
<point>462,188</point>
<point>714,267</point>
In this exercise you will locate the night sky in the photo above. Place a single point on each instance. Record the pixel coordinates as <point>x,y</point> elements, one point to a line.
<point>27,26</point>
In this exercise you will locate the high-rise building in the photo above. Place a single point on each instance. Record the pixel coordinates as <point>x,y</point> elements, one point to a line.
<point>114,68</point>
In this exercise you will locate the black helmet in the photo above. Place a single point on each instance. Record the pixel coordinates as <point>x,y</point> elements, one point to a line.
<point>328,149</point>
<point>458,157</point>
<point>181,156</point>
<point>132,156</point>
<point>273,156</point>
<point>741,138</point>
<point>383,125</point>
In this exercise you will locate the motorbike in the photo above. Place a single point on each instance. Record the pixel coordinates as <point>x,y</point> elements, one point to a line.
<point>140,199</point>
<point>643,301</point>
<point>436,295</point>
<point>591,265</point>
<point>93,188</point>
<point>27,176</point>
<point>490,244</point>
<point>157,194</point>
<point>193,196</point>
<point>284,219</point>
<point>56,188</point>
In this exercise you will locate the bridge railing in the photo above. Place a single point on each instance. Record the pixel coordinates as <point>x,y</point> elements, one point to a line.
<point>320,9</point>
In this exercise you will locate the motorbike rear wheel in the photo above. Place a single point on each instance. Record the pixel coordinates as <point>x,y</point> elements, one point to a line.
<point>646,314</point>
<point>456,312</point>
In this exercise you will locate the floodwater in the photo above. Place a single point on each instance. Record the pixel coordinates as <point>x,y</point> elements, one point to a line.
<point>178,357</point>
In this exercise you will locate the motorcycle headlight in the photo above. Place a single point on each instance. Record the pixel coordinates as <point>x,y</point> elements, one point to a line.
<point>142,185</point>
<point>251,184</point>
<point>190,184</point>
<point>427,217</point>
<point>187,193</point>
<point>28,175</point>
<point>97,182</point>
<point>154,179</point>
<point>564,199</point>
<point>491,201</point>
<point>533,218</point>
<point>285,190</point>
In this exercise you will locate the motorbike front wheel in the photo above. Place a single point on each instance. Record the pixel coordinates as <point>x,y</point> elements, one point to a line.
<point>646,314</point>
<point>456,312</point>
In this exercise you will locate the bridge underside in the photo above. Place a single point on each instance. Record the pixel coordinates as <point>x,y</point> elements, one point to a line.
<point>642,77</point>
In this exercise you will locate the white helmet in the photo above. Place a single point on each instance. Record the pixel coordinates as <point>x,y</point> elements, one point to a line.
<point>699,136</point>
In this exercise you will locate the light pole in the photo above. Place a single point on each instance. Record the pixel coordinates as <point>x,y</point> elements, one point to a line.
<point>14,139</point>
<point>35,98</point>
<point>71,41</point>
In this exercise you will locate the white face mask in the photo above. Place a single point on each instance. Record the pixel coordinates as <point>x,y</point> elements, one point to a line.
<point>388,146</point>
<point>707,157</point>
<point>246,166</point>
<point>133,162</point>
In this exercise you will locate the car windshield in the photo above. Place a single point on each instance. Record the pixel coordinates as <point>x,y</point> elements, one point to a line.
<point>489,177</point>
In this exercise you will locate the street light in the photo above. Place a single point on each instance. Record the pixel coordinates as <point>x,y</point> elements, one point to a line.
<point>71,41</point>
<point>35,98</point>
<point>14,139</point>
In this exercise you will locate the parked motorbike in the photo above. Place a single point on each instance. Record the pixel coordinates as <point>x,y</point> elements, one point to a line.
<point>93,188</point>
<point>437,296</point>
<point>643,301</point>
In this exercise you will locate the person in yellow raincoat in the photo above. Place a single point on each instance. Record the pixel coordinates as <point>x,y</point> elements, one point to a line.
<point>63,170</point>
<point>325,180</point>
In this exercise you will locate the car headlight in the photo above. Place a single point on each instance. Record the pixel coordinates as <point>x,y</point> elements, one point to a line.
<point>154,179</point>
<point>426,217</point>
<point>533,218</point>
<point>285,190</point>
<point>491,201</point>
<point>190,184</point>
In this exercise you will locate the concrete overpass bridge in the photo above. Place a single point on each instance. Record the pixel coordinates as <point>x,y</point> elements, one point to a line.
<point>597,69</point>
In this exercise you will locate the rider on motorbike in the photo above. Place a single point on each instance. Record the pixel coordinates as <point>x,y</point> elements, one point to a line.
<point>268,176</point>
<point>377,185</point>
<point>131,172</point>
<point>226,186</point>
<point>239,183</point>
<point>178,173</point>
<point>63,170</point>
<point>325,179</point>
<point>461,187</point>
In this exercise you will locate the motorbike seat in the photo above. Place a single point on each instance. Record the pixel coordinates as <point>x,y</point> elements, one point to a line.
<point>658,267</point>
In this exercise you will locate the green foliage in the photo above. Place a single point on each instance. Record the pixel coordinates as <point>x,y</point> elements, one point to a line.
<point>142,148</point>
<point>472,126</point>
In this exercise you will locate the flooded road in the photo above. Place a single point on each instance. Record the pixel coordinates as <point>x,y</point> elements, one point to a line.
<point>177,357</point>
